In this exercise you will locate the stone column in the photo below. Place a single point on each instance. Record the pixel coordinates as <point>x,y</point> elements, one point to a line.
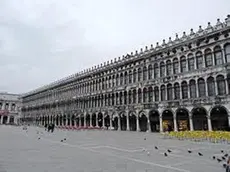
<point>226,84</point>
<point>80,121</point>
<point>161,124</point>
<point>127,121</point>
<point>223,55</point>
<point>85,119</point>
<point>119,123</point>
<point>206,87</point>
<point>216,88</point>
<point>103,120</point>
<point>90,123</point>
<point>137,124</point>
<point>209,123</point>
<point>1,119</point>
<point>191,122</point>
<point>96,120</point>
<point>110,122</point>
<point>197,89</point>
<point>8,119</point>
<point>175,122</point>
<point>229,120</point>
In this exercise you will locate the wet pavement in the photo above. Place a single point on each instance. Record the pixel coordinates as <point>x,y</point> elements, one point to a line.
<point>102,151</point>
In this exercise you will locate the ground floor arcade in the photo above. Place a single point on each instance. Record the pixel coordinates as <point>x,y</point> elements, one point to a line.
<point>7,119</point>
<point>196,118</point>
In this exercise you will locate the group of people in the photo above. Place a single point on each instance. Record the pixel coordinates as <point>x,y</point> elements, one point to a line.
<point>49,127</point>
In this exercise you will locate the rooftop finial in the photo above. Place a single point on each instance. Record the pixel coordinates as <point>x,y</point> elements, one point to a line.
<point>146,48</point>
<point>191,32</point>
<point>228,20</point>
<point>141,50</point>
<point>184,35</point>
<point>177,37</point>
<point>136,52</point>
<point>163,42</point>
<point>151,46</point>
<point>200,29</point>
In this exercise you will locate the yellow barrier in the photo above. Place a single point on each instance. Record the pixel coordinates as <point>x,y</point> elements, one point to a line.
<point>213,136</point>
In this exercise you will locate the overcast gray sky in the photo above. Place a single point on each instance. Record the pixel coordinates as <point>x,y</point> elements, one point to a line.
<point>44,40</point>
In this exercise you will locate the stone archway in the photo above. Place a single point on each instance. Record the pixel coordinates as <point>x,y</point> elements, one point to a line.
<point>64,120</point>
<point>87,120</point>
<point>199,118</point>
<point>94,119</point>
<point>154,118</point>
<point>82,118</point>
<point>4,121</point>
<point>107,121</point>
<point>132,122</point>
<point>100,119</point>
<point>182,118</point>
<point>167,119</point>
<point>143,121</point>
<point>73,120</point>
<point>123,122</point>
<point>57,120</point>
<point>11,120</point>
<point>115,122</point>
<point>219,118</point>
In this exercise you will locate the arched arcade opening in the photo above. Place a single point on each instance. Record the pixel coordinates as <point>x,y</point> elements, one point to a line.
<point>199,118</point>
<point>219,118</point>
<point>154,119</point>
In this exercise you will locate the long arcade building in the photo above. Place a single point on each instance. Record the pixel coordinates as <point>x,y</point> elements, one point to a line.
<point>184,82</point>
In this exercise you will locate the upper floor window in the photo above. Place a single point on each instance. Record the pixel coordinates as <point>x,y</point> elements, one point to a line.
<point>191,62</point>
<point>199,60</point>
<point>168,67</point>
<point>144,73</point>
<point>130,77</point>
<point>162,69</point>
<point>218,56</point>
<point>175,66</point>
<point>208,58</point>
<point>156,70</point>
<point>183,64</point>
<point>139,74</point>
<point>134,75</point>
<point>227,52</point>
<point>150,71</point>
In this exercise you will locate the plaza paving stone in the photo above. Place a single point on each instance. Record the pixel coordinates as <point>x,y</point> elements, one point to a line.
<point>101,151</point>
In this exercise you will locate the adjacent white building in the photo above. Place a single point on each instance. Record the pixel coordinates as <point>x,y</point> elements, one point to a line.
<point>9,108</point>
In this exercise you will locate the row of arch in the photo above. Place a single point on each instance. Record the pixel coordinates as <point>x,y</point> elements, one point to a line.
<point>182,119</point>
<point>185,90</point>
<point>198,60</point>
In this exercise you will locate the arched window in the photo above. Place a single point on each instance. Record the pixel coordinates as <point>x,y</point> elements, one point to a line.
<point>126,78</point>
<point>177,91</point>
<point>169,92</point>
<point>134,96</point>
<point>156,93</point>
<point>121,79</point>
<point>144,73</point>
<point>134,75</point>
<point>201,87</point>
<point>221,85</point>
<point>145,95</point>
<point>199,60</point>
<point>117,80</point>
<point>175,66</point>
<point>184,87</point>
<point>227,52</point>
<point>168,67</point>
<point>130,76</point>
<point>139,96</point>
<point>113,99</point>
<point>125,97</point>
<point>121,98</point>
<point>208,57</point>
<point>113,81</point>
<point>162,69</point>
<point>191,62</point>
<point>163,95</point>
<point>139,74</point>
<point>117,99</point>
<point>150,72</point>
<point>183,64</point>
<point>211,86</point>
<point>218,56</point>
<point>130,97</point>
<point>150,94</point>
<point>156,71</point>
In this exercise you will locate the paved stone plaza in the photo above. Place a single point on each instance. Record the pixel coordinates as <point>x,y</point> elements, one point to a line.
<point>101,151</point>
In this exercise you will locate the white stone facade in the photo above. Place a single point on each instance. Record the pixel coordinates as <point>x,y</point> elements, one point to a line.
<point>9,108</point>
<point>184,83</point>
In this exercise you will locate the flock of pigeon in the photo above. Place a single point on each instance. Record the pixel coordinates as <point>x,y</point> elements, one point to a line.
<point>223,158</point>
